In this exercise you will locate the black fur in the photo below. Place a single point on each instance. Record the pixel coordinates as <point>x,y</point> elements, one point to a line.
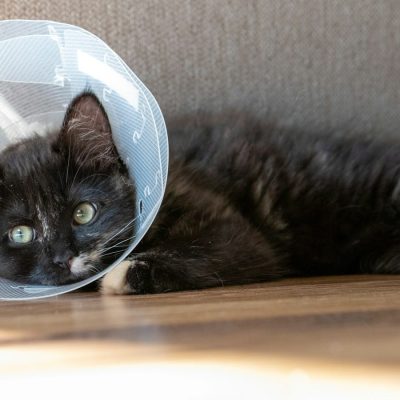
<point>43,179</point>
<point>245,202</point>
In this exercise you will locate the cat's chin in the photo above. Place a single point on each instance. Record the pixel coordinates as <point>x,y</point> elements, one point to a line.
<point>79,267</point>
<point>85,265</point>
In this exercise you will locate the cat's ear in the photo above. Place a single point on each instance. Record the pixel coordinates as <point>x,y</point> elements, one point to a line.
<point>86,132</point>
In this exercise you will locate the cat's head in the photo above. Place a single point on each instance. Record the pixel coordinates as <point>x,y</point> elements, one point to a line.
<point>67,205</point>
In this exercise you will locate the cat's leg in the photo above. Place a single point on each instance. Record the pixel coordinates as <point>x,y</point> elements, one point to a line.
<point>222,252</point>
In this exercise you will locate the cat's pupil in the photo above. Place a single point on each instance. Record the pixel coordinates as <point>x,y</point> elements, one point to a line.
<point>84,213</point>
<point>22,234</point>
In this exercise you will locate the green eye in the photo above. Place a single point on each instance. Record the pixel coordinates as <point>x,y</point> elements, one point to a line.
<point>84,213</point>
<point>21,234</point>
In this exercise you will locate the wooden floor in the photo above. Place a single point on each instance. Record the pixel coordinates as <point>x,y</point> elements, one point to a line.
<point>323,338</point>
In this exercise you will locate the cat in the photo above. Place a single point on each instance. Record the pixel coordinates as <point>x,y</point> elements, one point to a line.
<point>245,202</point>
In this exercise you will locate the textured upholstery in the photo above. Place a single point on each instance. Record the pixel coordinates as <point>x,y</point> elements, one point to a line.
<point>312,64</point>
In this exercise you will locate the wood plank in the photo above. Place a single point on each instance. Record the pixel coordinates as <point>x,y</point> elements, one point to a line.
<point>338,330</point>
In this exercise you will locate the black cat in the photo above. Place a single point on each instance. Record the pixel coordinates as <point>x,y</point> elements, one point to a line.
<point>245,202</point>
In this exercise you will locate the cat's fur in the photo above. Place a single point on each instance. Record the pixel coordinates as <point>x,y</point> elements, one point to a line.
<point>245,202</point>
<point>41,182</point>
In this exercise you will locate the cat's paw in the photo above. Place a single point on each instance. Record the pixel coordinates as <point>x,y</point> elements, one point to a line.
<point>128,277</point>
<point>115,282</point>
<point>135,276</point>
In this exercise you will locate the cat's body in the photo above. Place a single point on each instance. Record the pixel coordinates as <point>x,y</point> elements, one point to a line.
<point>244,203</point>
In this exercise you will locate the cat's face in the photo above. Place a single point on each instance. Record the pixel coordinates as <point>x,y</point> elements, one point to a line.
<point>67,204</point>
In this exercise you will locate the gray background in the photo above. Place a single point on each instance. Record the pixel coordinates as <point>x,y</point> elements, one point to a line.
<point>319,65</point>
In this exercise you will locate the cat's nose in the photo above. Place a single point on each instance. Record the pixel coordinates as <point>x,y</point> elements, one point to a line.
<point>64,260</point>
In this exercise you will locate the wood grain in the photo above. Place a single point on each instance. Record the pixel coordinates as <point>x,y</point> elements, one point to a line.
<point>338,332</point>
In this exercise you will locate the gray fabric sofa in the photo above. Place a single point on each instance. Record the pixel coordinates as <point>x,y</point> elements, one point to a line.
<point>319,65</point>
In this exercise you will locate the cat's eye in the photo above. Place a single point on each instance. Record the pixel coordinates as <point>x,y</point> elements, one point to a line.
<point>84,213</point>
<point>21,234</point>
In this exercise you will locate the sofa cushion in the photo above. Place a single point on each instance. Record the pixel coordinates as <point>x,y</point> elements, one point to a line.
<point>318,65</point>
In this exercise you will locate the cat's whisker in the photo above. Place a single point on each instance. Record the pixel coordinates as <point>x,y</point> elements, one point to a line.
<point>93,271</point>
<point>107,252</point>
<point>117,244</point>
<point>102,253</point>
<point>114,252</point>
<point>120,244</point>
<point>127,226</point>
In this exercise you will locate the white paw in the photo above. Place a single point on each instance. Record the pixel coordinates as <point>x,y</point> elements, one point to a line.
<point>115,281</point>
